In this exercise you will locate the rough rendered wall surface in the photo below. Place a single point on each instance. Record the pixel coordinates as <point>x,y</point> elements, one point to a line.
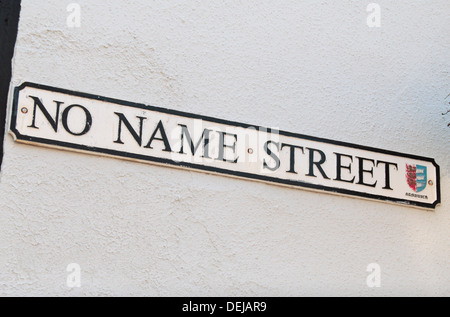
<point>311,67</point>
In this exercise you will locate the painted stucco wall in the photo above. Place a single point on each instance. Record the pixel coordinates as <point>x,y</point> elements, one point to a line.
<point>310,67</point>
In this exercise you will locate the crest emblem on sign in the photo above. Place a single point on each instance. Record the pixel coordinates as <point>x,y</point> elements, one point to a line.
<point>416,176</point>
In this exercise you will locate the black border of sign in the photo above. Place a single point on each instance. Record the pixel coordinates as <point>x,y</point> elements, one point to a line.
<point>244,175</point>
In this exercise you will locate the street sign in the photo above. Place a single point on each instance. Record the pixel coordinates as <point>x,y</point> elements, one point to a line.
<point>77,121</point>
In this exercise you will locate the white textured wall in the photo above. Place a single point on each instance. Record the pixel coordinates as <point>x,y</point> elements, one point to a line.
<point>311,67</point>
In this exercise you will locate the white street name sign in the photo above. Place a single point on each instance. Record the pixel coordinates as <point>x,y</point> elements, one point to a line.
<point>82,122</point>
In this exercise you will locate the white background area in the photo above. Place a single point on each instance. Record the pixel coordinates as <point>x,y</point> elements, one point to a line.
<point>309,67</point>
